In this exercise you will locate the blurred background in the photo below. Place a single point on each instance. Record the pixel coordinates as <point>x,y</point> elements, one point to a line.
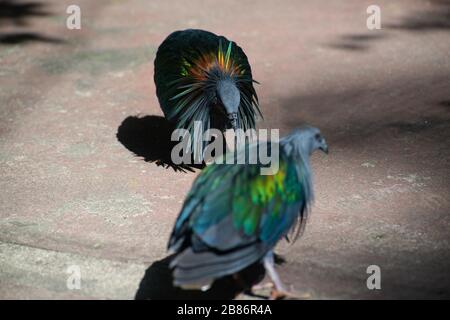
<point>80,180</point>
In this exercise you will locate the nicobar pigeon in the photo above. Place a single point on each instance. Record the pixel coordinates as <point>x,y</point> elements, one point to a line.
<point>233,216</point>
<point>200,76</point>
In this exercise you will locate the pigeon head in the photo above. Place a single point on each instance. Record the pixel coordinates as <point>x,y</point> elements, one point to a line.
<point>304,141</point>
<point>229,97</point>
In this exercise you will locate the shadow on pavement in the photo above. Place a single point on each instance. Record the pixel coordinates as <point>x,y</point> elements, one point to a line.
<point>435,19</point>
<point>149,137</point>
<point>18,14</point>
<point>357,42</point>
<point>398,115</point>
<point>24,37</point>
<point>157,284</point>
<point>445,104</point>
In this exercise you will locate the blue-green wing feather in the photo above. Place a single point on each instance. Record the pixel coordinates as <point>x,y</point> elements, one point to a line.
<point>245,205</point>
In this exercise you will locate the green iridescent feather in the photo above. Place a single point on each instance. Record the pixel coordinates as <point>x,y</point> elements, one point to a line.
<point>259,204</point>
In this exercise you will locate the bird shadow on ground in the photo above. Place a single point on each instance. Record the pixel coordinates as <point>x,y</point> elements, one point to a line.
<point>149,137</point>
<point>19,14</point>
<point>157,284</point>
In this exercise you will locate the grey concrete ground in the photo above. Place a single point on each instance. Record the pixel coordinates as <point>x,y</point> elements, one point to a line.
<point>76,136</point>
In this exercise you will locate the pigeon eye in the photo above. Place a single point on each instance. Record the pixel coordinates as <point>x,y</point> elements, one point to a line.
<point>317,136</point>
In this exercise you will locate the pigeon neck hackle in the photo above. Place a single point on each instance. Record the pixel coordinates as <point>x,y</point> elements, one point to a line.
<point>214,80</point>
<point>216,74</point>
<point>298,145</point>
<point>190,66</point>
<point>212,64</point>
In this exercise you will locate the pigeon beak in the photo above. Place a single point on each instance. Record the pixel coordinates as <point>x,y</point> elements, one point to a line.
<point>232,117</point>
<point>324,147</point>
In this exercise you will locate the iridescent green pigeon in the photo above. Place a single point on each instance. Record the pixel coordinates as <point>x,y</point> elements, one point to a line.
<point>203,77</point>
<point>233,216</point>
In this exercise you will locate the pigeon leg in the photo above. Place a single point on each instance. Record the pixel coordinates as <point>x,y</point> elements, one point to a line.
<point>269,265</point>
<point>279,291</point>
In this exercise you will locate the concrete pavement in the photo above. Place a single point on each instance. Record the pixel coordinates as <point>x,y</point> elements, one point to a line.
<point>79,124</point>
